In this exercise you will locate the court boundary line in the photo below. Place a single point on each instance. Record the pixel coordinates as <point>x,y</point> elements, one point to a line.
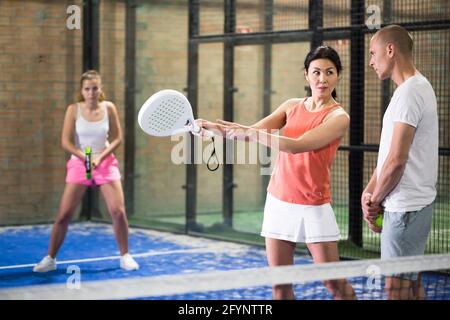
<point>116,257</point>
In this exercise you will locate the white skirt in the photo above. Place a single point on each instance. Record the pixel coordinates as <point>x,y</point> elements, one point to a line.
<point>299,223</point>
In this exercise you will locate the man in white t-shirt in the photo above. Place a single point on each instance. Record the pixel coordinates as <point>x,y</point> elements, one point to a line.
<point>404,183</point>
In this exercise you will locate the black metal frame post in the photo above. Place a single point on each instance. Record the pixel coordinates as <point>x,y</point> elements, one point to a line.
<point>192,92</point>
<point>316,22</point>
<point>356,156</point>
<point>130,114</point>
<point>267,92</point>
<point>386,84</point>
<point>315,25</point>
<point>228,114</point>
<point>91,18</point>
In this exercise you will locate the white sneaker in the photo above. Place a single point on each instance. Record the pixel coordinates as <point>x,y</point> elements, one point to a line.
<point>128,263</point>
<point>45,265</point>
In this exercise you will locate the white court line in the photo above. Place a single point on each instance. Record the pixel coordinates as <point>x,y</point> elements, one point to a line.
<point>139,255</point>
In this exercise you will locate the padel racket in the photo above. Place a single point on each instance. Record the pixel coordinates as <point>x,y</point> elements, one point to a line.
<point>168,112</point>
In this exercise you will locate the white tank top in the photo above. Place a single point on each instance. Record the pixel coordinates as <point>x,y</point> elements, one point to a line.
<point>92,134</point>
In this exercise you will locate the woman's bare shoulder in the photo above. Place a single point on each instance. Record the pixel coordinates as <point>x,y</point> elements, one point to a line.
<point>71,109</point>
<point>292,103</point>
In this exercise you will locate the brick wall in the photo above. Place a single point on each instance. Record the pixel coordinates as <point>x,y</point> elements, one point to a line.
<point>40,62</point>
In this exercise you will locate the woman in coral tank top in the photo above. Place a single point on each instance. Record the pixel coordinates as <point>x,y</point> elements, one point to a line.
<point>298,205</point>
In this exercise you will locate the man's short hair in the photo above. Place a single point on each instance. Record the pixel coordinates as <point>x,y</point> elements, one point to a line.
<point>397,35</point>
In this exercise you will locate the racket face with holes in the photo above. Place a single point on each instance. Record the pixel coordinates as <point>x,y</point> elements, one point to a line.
<point>166,113</point>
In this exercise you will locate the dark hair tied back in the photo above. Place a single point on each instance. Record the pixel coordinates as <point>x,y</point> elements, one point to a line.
<point>324,52</point>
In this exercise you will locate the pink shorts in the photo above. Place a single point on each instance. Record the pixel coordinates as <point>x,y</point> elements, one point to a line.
<point>106,172</point>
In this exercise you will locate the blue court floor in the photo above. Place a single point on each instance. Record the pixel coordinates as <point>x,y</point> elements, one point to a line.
<point>92,248</point>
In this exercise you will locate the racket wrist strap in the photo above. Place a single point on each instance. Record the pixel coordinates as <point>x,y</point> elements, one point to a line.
<point>213,154</point>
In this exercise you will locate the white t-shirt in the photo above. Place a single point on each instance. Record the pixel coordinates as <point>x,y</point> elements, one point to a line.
<point>413,103</point>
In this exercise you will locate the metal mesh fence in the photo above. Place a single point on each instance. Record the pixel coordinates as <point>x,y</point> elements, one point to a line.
<point>239,60</point>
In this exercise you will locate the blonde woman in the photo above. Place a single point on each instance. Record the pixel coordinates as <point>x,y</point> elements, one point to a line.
<point>91,122</point>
